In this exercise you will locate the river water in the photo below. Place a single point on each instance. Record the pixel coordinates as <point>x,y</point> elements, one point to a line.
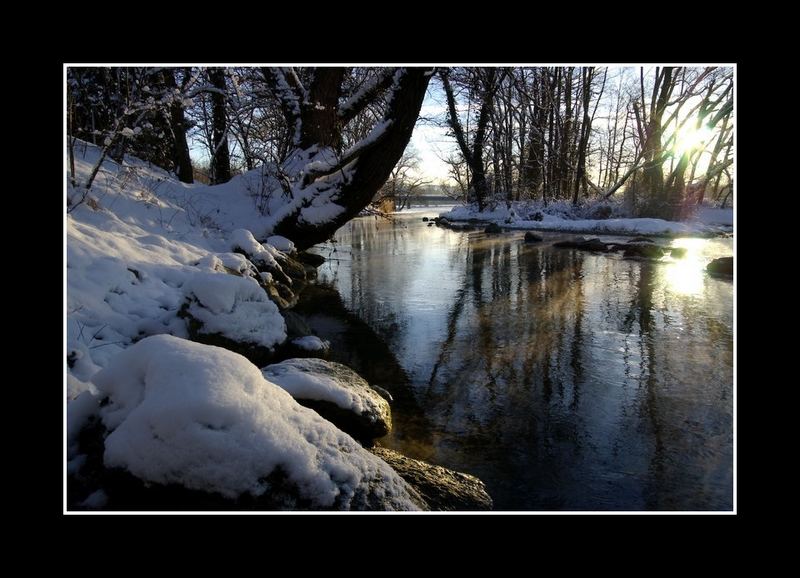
<point>565,380</point>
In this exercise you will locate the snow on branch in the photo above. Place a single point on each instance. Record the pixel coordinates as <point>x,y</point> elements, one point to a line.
<point>289,92</point>
<point>366,94</point>
<point>370,141</point>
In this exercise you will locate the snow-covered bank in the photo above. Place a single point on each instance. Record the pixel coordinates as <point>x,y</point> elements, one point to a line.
<point>154,265</point>
<point>603,219</point>
<point>143,245</point>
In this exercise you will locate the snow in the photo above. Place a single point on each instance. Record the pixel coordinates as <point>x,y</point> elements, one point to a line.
<point>236,307</point>
<point>205,418</point>
<point>562,217</point>
<point>324,381</point>
<point>281,243</point>
<point>79,410</point>
<point>151,242</point>
<point>320,211</point>
<point>714,216</point>
<point>95,500</point>
<point>311,343</point>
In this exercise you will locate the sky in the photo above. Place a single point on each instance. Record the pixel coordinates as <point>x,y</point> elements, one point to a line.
<point>431,141</point>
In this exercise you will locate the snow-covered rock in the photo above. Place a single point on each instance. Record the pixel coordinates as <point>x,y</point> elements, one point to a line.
<point>337,392</point>
<point>311,343</point>
<point>281,243</point>
<point>205,418</point>
<point>236,308</point>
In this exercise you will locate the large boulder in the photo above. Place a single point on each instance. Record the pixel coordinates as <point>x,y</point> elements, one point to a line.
<point>184,423</point>
<point>442,489</point>
<point>722,267</point>
<point>337,393</point>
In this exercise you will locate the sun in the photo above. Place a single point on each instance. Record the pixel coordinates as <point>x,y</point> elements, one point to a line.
<point>690,138</point>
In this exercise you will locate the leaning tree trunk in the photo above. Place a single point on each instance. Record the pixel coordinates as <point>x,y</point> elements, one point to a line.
<point>345,187</point>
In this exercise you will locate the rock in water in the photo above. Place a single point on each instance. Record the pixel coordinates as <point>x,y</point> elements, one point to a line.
<point>493,229</point>
<point>532,237</point>
<point>722,267</point>
<point>310,258</point>
<point>337,393</point>
<point>442,489</point>
<point>644,250</point>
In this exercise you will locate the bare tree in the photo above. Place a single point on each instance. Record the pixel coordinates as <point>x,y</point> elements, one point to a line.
<point>405,180</point>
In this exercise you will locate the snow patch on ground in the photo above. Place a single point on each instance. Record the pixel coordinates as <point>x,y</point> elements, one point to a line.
<point>205,418</point>
<point>143,245</point>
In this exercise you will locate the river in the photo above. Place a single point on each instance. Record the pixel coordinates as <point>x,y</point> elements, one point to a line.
<point>565,380</point>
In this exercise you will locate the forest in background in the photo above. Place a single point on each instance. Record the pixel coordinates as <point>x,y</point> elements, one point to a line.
<point>661,138</point>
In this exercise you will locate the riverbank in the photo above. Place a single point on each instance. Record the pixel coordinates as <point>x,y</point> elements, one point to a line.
<point>598,218</point>
<point>187,383</point>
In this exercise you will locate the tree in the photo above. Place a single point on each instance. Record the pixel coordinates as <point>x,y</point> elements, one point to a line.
<point>324,185</point>
<point>177,124</point>
<point>220,159</point>
<point>404,180</point>
<point>484,82</point>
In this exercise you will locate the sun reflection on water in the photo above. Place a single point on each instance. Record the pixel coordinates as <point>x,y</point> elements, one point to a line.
<point>686,275</point>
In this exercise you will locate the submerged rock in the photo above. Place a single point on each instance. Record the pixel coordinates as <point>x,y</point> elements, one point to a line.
<point>442,489</point>
<point>337,393</point>
<point>493,229</point>
<point>644,250</point>
<point>593,244</point>
<point>641,240</point>
<point>722,267</point>
<point>533,237</point>
<point>678,252</point>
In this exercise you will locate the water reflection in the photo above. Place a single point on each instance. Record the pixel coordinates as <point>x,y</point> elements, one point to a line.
<point>564,379</point>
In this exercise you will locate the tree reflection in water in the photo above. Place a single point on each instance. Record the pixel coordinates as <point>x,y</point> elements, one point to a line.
<point>563,379</point>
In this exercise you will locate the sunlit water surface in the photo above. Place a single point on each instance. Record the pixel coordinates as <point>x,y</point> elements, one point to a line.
<point>566,380</point>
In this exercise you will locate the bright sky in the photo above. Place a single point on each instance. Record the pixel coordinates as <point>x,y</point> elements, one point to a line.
<point>432,142</point>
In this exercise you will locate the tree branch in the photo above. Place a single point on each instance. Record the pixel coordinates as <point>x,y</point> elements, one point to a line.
<point>455,123</point>
<point>365,95</point>
<point>289,94</point>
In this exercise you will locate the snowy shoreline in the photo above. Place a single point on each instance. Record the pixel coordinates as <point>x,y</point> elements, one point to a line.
<point>707,222</point>
<point>174,309</point>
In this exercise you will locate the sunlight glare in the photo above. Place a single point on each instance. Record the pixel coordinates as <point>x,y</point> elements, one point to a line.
<point>690,138</point>
<point>686,275</point>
